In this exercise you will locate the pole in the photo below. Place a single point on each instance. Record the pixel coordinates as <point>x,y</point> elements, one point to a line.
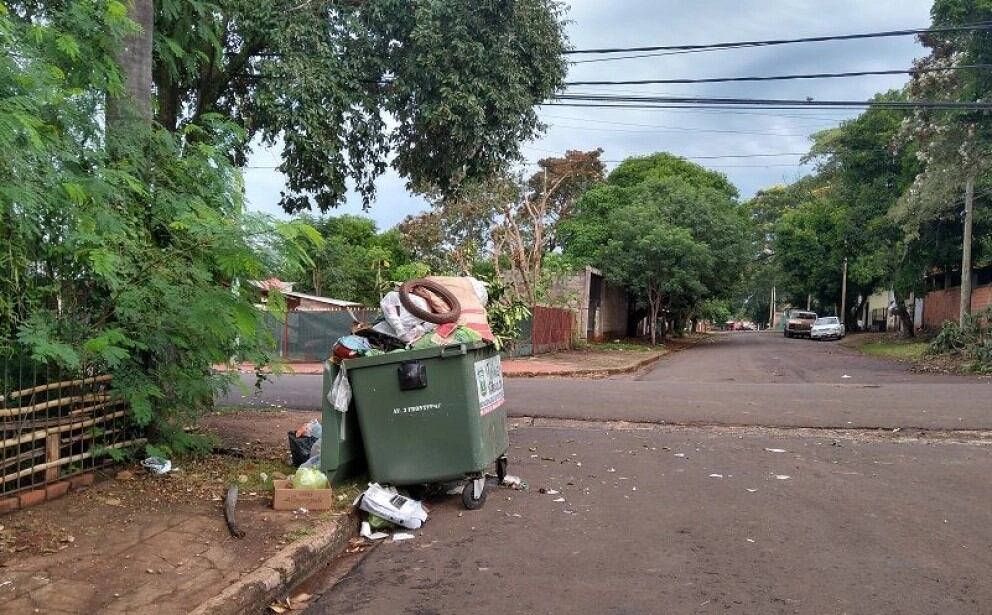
<point>771,310</point>
<point>843,295</point>
<point>809,302</point>
<point>969,215</point>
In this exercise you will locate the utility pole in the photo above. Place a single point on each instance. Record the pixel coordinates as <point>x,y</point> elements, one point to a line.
<point>969,215</point>
<point>809,301</point>
<point>843,295</point>
<point>771,310</point>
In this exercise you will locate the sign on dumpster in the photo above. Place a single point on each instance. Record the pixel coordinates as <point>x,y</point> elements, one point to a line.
<point>489,380</point>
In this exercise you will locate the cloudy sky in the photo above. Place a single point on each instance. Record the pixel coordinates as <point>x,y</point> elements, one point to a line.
<point>703,134</point>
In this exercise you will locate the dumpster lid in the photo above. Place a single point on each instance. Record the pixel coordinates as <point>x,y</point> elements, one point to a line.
<point>435,352</point>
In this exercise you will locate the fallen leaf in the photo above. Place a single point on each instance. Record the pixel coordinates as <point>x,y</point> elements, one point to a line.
<point>125,475</point>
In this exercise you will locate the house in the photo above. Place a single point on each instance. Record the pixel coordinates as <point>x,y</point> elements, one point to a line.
<point>302,302</point>
<point>878,311</point>
<point>601,308</point>
<point>943,302</point>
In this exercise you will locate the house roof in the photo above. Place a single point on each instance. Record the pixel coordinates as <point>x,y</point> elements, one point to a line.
<point>273,283</point>
<point>335,302</point>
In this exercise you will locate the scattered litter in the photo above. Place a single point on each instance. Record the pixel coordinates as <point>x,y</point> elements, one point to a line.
<point>845,376</point>
<point>751,490</point>
<point>558,500</point>
<point>782,477</point>
<point>749,539</point>
<point>633,488</point>
<point>157,466</point>
<point>547,491</point>
<point>242,478</point>
<point>124,475</point>
<point>716,475</point>
<point>612,470</point>
<point>456,490</point>
<point>401,536</point>
<point>308,478</point>
<point>515,482</point>
<point>897,430</point>
<point>366,532</point>
<point>680,454</point>
<point>775,450</point>
<point>387,503</point>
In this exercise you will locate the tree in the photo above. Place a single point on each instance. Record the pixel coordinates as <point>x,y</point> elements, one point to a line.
<point>131,262</point>
<point>356,262</point>
<point>527,227</point>
<point>955,146</point>
<point>647,206</point>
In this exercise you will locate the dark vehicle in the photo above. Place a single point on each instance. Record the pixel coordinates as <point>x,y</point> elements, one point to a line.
<point>800,324</point>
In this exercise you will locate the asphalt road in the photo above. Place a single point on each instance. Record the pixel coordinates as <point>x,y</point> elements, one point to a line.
<point>676,518</point>
<point>735,379</point>
<point>857,527</point>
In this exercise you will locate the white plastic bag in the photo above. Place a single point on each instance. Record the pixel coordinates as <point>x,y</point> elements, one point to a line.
<point>340,394</point>
<point>480,290</point>
<point>314,460</point>
<point>387,503</point>
<point>406,326</point>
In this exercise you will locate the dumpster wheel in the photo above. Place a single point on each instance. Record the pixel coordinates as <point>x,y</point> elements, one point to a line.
<point>474,486</point>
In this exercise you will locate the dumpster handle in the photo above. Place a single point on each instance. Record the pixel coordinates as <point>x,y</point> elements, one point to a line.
<point>457,350</point>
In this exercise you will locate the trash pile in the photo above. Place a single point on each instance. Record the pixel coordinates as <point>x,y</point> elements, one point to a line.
<point>304,444</point>
<point>388,509</point>
<point>432,311</point>
<point>423,313</point>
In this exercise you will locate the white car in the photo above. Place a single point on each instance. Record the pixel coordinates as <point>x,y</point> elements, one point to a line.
<point>825,328</point>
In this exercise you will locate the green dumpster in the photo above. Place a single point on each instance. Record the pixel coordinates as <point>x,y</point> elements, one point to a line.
<point>432,415</point>
<point>341,453</point>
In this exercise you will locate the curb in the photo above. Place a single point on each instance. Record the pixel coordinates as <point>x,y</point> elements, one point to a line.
<point>255,591</point>
<point>590,373</point>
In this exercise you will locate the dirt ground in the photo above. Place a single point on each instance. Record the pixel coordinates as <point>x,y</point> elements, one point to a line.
<point>136,543</point>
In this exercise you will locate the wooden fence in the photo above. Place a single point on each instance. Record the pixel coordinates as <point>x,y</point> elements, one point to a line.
<point>55,430</point>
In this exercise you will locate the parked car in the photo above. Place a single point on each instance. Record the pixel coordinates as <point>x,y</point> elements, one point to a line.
<point>827,328</point>
<point>799,324</point>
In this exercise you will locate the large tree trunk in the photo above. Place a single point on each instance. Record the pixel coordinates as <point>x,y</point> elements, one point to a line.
<point>135,61</point>
<point>905,319</point>
<point>969,215</point>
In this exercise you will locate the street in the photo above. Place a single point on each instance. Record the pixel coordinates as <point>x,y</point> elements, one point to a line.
<point>763,516</point>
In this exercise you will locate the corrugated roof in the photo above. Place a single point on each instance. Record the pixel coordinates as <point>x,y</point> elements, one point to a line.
<point>335,302</point>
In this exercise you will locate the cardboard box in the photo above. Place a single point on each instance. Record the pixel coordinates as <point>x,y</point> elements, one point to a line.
<point>284,497</point>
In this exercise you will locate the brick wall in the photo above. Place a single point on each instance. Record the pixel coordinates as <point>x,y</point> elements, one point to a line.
<point>943,305</point>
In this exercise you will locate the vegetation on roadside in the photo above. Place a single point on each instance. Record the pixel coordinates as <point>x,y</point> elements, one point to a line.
<point>889,348</point>
<point>972,343</point>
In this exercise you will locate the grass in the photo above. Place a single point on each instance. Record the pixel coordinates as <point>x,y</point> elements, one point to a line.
<point>888,348</point>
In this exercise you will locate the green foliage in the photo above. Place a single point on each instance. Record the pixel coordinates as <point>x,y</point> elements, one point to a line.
<point>667,229</point>
<point>505,311</point>
<point>440,90</point>
<point>131,264</point>
<point>355,261</point>
<point>973,341</point>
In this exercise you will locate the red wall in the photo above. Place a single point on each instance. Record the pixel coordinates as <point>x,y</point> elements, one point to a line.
<point>942,305</point>
<point>553,329</point>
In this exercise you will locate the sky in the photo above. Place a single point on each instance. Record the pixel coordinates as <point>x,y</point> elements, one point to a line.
<point>692,133</point>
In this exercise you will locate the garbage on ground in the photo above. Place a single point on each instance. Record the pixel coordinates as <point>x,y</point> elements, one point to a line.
<point>285,497</point>
<point>157,465</point>
<point>547,491</point>
<point>314,460</point>
<point>302,441</point>
<point>775,450</point>
<point>782,477</point>
<point>387,503</point>
<point>515,482</point>
<point>366,532</point>
<point>309,478</point>
<point>400,536</point>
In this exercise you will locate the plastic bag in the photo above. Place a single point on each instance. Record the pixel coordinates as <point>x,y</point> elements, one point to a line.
<point>309,478</point>
<point>480,290</point>
<point>405,325</point>
<point>340,394</point>
<point>314,460</point>
<point>300,447</point>
<point>387,503</point>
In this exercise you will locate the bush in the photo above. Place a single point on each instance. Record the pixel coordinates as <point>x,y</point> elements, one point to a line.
<point>972,342</point>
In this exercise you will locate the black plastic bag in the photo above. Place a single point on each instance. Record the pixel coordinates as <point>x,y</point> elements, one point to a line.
<point>299,447</point>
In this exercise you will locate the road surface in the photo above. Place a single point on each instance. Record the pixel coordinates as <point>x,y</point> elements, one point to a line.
<point>735,379</point>
<point>718,499</point>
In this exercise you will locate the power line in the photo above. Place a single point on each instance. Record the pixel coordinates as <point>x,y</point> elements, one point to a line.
<point>841,75</point>
<point>772,102</point>
<point>679,49</point>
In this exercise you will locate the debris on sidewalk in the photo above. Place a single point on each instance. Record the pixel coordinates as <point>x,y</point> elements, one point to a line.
<point>775,450</point>
<point>387,503</point>
<point>782,477</point>
<point>157,466</point>
<point>366,532</point>
<point>230,502</point>
<point>716,476</point>
<point>401,536</point>
<point>516,483</point>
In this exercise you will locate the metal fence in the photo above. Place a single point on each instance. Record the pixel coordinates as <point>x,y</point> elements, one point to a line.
<point>309,336</point>
<point>547,330</point>
<point>56,425</point>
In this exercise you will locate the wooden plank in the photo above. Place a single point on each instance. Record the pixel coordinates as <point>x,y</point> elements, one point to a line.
<point>53,447</point>
<point>65,384</point>
<point>54,403</point>
<point>65,461</point>
<point>75,424</point>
